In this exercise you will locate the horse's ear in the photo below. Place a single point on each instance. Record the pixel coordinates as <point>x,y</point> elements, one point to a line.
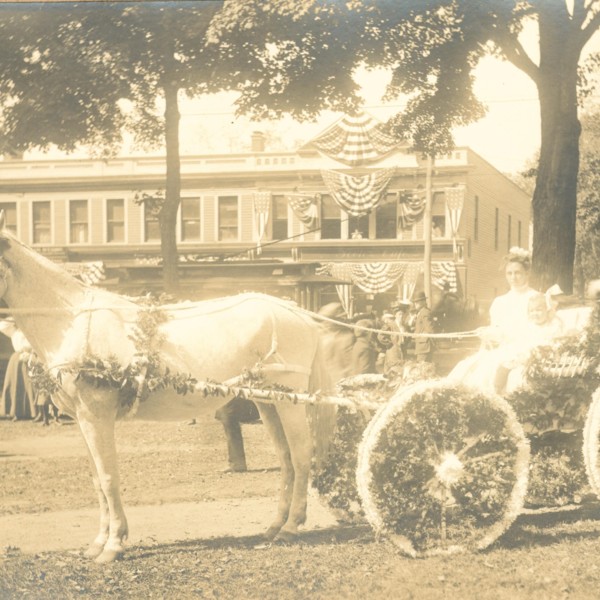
<point>2,219</point>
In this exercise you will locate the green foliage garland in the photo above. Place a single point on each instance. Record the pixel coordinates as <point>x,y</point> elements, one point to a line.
<point>335,477</point>
<point>444,468</point>
<point>553,410</point>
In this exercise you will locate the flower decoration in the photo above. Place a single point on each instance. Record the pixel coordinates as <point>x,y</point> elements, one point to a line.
<point>442,468</point>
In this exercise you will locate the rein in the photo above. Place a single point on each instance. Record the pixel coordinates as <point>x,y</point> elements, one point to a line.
<point>291,308</point>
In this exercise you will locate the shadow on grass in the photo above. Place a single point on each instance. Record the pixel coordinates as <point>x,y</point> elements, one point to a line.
<point>334,535</point>
<point>550,527</point>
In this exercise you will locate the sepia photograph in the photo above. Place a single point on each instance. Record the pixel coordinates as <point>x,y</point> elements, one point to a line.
<point>300,299</point>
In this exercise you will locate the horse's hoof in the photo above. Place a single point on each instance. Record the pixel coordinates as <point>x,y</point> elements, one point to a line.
<point>94,551</point>
<point>286,537</point>
<point>108,556</point>
<point>270,534</point>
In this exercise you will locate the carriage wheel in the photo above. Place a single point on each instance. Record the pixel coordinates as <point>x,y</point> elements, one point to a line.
<point>591,443</point>
<point>442,468</point>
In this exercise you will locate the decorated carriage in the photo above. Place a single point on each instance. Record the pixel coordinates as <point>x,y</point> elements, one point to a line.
<point>439,467</point>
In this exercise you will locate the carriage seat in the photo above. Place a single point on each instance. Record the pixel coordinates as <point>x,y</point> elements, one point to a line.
<point>574,319</point>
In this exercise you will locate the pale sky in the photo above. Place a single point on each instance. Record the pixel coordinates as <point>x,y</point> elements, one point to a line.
<point>508,136</point>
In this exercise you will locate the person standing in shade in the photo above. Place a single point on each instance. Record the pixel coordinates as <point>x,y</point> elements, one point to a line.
<point>424,346</point>
<point>18,399</point>
<point>364,354</point>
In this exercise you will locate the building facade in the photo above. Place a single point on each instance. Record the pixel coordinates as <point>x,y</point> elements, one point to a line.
<point>341,218</point>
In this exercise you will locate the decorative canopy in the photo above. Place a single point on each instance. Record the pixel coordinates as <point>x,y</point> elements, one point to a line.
<point>359,194</point>
<point>356,140</point>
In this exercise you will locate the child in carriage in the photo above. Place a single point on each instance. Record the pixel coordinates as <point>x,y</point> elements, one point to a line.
<point>542,328</point>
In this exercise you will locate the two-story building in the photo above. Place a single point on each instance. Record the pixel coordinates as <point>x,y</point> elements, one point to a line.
<point>339,218</point>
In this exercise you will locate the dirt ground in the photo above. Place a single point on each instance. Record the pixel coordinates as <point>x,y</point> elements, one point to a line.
<point>173,482</point>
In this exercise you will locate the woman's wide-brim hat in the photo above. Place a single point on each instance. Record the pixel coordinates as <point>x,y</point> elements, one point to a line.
<point>420,297</point>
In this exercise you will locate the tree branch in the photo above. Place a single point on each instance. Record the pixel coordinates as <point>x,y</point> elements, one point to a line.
<point>515,53</point>
<point>588,31</point>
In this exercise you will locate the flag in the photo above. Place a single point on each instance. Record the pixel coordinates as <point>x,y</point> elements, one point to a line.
<point>262,205</point>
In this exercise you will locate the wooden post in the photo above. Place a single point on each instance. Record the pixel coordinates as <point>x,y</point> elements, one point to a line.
<point>427,228</point>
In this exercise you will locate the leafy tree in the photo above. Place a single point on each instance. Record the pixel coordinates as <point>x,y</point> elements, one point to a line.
<point>587,256</point>
<point>305,53</point>
<point>70,67</point>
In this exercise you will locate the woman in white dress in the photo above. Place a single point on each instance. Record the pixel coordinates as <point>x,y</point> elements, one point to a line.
<point>508,321</point>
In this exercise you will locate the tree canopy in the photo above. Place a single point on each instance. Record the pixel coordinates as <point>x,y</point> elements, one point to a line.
<point>305,54</point>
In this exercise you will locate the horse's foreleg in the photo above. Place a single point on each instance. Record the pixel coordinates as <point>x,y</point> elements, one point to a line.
<point>100,437</point>
<point>297,432</point>
<point>272,423</point>
<point>99,542</point>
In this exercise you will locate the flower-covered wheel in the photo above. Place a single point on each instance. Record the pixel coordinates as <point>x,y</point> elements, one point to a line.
<point>591,443</point>
<point>442,468</point>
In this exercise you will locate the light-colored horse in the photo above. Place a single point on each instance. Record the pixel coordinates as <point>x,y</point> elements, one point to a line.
<point>65,321</point>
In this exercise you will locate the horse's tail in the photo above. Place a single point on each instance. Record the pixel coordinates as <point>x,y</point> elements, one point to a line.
<point>322,417</point>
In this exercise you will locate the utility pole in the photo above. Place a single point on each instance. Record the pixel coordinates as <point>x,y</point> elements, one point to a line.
<point>427,227</point>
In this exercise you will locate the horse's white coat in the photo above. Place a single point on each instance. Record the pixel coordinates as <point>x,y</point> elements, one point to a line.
<point>212,340</point>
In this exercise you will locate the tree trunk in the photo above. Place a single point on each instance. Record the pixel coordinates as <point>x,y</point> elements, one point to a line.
<point>168,215</point>
<point>555,195</point>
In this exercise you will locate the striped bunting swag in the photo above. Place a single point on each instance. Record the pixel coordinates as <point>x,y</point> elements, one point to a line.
<point>375,278</point>
<point>442,272</point>
<point>304,207</point>
<point>359,194</point>
<point>355,140</point>
<point>411,207</point>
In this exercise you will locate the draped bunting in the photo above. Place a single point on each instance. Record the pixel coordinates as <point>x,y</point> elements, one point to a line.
<point>262,204</point>
<point>357,194</point>
<point>411,206</point>
<point>356,140</point>
<point>304,207</point>
<point>375,278</point>
<point>442,272</point>
<point>455,197</point>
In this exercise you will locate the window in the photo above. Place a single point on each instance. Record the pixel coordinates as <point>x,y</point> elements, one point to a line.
<point>438,215</point>
<point>496,228</point>
<point>331,219</point>
<point>115,220</point>
<point>358,227</point>
<point>42,231</point>
<point>190,219</point>
<point>78,221</point>
<point>386,215</point>
<point>279,218</point>
<point>509,233</point>
<point>228,218</point>
<point>476,220</point>
<point>519,240</point>
<point>10,215</point>
<point>151,225</point>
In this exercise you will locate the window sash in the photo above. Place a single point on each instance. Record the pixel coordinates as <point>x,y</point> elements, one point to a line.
<point>78,221</point>
<point>41,222</point>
